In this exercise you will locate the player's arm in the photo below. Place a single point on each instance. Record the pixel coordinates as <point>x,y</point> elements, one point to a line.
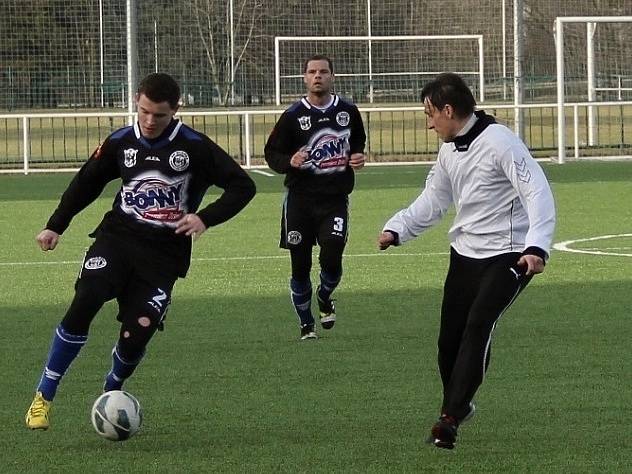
<point>239,189</point>
<point>535,194</point>
<point>279,152</point>
<point>357,141</point>
<point>423,213</point>
<point>85,187</point>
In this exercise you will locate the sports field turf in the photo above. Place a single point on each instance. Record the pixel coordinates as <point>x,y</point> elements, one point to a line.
<point>229,388</point>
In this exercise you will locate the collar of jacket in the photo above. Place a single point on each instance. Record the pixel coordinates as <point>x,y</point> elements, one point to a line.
<point>463,142</point>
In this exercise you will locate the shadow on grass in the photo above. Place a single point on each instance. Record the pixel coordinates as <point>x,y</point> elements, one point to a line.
<point>228,388</point>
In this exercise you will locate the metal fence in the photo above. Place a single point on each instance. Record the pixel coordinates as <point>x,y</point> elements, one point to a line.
<point>77,53</point>
<point>49,142</point>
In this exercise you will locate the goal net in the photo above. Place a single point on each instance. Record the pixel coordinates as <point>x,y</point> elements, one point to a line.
<point>380,68</point>
<point>592,64</point>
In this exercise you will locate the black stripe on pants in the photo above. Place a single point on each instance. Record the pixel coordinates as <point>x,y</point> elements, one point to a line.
<point>476,294</point>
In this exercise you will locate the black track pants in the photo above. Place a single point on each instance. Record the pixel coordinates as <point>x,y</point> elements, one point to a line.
<point>476,294</point>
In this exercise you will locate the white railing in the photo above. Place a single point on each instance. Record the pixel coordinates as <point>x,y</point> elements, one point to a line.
<point>247,138</point>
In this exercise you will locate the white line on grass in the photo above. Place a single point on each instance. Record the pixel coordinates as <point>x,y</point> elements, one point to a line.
<point>607,248</point>
<point>265,173</point>
<point>226,259</point>
<point>564,246</point>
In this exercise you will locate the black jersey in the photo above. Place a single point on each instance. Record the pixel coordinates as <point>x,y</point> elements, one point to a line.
<point>330,136</point>
<point>162,180</point>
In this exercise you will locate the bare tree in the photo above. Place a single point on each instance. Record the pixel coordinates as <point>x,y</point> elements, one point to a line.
<point>213,20</point>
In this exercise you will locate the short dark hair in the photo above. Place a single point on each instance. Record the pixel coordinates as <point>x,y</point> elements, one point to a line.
<point>318,57</point>
<point>450,88</point>
<point>160,87</point>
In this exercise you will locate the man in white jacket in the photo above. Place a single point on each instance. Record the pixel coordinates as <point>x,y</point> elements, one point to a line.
<point>501,236</point>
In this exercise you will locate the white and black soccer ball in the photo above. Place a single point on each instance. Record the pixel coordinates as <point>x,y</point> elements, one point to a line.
<point>116,415</point>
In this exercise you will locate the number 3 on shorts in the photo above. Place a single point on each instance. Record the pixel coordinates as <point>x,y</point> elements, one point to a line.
<point>339,224</point>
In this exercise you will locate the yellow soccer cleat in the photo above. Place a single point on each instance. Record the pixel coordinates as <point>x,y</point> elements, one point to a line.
<point>37,414</point>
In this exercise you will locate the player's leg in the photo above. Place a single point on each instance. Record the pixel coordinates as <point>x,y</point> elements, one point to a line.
<point>460,289</point>
<point>498,288</point>
<point>95,285</point>
<point>297,235</point>
<point>332,238</point>
<point>301,289</point>
<point>461,285</point>
<point>142,309</point>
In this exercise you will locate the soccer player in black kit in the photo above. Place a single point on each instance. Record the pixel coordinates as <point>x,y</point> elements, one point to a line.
<point>143,244</point>
<point>317,143</point>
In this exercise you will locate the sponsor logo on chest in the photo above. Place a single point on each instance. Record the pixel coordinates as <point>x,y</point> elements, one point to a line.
<point>155,200</point>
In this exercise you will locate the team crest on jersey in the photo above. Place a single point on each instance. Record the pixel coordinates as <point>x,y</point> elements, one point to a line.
<point>294,237</point>
<point>342,118</point>
<point>130,157</point>
<point>95,263</point>
<point>179,160</point>
<point>305,122</point>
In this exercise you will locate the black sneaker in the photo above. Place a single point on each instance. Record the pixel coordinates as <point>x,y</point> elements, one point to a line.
<point>443,432</point>
<point>307,332</point>
<point>327,311</point>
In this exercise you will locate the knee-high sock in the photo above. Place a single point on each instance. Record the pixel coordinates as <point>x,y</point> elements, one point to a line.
<point>328,283</point>
<point>121,370</point>
<point>63,350</point>
<point>301,294</point>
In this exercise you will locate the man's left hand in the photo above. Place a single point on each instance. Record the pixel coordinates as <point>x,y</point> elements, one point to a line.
<point>357,160</point>
<point>190,225</point>
<point>533,264</point>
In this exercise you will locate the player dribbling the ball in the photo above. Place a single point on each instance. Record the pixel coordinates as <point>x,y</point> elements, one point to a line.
<point>143,245</point>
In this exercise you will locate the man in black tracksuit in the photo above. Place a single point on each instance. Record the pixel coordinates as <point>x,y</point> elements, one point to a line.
<point>318,143</point>
<point>143,244</point>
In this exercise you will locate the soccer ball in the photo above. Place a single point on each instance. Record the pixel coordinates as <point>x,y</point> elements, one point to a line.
<point>116,415</point>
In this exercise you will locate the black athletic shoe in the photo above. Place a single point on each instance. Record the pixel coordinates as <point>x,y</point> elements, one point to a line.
<point>327,311</point>
<point>307,332</point>
<point>443,432</point>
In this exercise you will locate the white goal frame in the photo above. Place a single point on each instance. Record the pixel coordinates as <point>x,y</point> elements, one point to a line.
<point>590,22</point>
<point>370,73</point>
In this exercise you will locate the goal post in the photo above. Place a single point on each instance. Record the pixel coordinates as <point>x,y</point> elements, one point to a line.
<point>591,22</point>
<point>396,68</point>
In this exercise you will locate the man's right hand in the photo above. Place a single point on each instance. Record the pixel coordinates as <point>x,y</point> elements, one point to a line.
<point>385,240</point>
<point>47,239</point>
<point>298,158</point>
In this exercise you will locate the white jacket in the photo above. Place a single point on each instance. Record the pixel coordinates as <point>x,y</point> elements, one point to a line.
<point>502,198</point>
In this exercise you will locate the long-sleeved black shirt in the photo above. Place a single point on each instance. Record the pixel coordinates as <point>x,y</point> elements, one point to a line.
<point>162,180</point>
<point>330,136</point>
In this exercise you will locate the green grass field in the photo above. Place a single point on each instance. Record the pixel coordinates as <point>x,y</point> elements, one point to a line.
<point>228,388</point>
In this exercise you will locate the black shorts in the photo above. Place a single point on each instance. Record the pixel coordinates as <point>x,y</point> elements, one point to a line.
<point>308,219</point>
<point>137,277</point>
